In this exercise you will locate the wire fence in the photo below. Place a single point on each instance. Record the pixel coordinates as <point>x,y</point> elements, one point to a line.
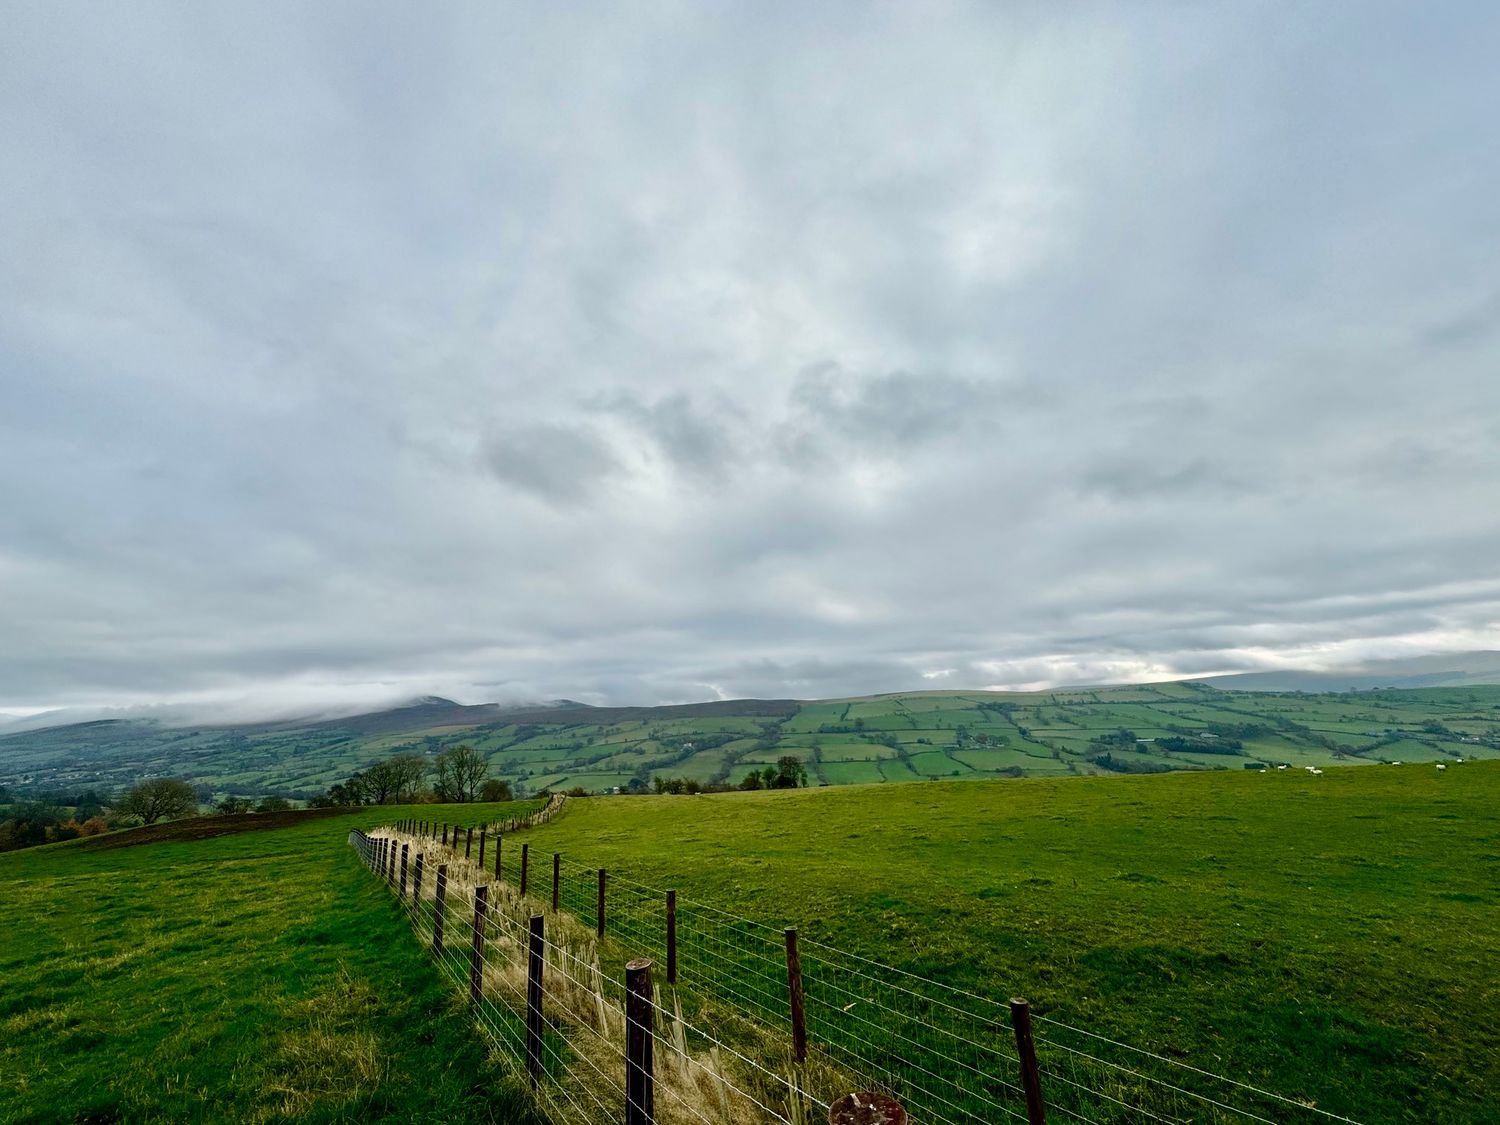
<point>747,1023</point>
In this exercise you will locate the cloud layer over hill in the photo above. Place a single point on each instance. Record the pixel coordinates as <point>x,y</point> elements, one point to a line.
<point>660,354</point>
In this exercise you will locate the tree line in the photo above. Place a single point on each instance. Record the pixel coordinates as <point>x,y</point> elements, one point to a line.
<point>460,775</point>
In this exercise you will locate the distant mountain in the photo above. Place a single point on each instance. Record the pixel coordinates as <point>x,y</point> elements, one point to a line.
<point>1450,670</point>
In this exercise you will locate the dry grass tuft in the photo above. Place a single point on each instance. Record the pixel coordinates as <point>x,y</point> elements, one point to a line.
<point>327,1059</point>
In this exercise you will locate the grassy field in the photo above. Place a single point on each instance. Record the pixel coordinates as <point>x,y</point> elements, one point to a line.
<point>908,737</point>
<point>257,976</point>
<point>1328,938</point>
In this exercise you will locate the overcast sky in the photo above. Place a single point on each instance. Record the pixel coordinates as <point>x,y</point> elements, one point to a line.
<point>650,352</point>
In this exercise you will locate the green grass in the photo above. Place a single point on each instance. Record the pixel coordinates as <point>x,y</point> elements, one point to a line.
<point>260,977</point>
<point>1329,938</point>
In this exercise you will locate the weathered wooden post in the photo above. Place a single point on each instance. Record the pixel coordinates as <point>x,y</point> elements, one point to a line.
<point>794,992</point>
<point>534,961</point>
<point>556,880</point>
<point>403,870</point>
<point>439,910</point>
<point>671,937</point>
<point>1031,1077</point>
<point>640,1095</point>
<point>476,953</point>
<point>481,849</point>
<point>599,908</point>
<point>468,843</point>
<point>525,848</point>
<point>498,839</point>
<point>390,875</point>
<point>416,883</point>
<point>445,833</point>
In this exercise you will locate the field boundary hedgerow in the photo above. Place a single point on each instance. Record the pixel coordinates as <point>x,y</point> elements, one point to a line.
<point>620,1001</point>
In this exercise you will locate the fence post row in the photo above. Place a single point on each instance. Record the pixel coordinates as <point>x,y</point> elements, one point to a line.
<point>1031,1078</point>
<point>556,880</point>
<point>439,910</point>
<point>794,991</point>
<point>534,961</point>
<point>671,937</point>
<point>640,1095</point>
<point>403,871</point>
<point>476,954</point>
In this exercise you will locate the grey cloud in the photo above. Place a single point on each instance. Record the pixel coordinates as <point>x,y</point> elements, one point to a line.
<point>1125,481</point>
<point>695,439</point>
<point>361,354</point>
<point>899,409</point>
<point>559,464</point>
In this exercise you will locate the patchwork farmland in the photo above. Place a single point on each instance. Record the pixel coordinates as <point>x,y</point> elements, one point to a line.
<point>881,739</point>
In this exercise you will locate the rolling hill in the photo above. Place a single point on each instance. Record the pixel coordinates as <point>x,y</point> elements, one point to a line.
<point>914,736</point>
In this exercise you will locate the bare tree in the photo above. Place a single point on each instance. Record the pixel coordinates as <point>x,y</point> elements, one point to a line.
<point>394,780</point>
<point>158,798</point>
<point>460,772</point>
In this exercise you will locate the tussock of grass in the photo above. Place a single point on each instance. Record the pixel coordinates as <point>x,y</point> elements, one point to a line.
<point>328,1056</point>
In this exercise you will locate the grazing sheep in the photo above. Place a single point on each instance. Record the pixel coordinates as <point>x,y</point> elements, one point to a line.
<point>1315,771</point>
<point>1441,766</point>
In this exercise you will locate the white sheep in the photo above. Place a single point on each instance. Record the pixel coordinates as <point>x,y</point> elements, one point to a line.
<point>1441,766</point>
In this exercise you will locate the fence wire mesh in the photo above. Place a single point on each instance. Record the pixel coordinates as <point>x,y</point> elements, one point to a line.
<point>722,1012</point>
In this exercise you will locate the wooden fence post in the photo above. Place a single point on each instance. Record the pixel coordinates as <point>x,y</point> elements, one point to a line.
<point>468,843</point>
<point>556,880</point>
<point>439,910</point>
<point>794,991</point>
<point>416,882</point>
<point>445,833</point>
<point>525,848</point>
<point>403,870</point>
<point>476,954</point>
<point>390,874</point>
<point>599,914</point>
<point>481,849</point>
<point>498,839</point>
<point>640,1095</point>
<point>671,937</point>
<point>534,960</point>
<point>1031,1078</point>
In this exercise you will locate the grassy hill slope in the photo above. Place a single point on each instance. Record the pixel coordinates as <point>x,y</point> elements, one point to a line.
<point>1329,938</point>
<point>260,976</point>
